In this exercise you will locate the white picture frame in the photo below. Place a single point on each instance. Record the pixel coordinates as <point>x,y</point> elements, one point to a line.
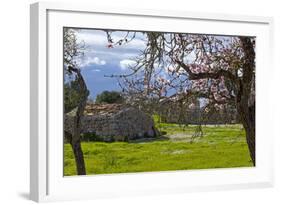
<point>46,177</point>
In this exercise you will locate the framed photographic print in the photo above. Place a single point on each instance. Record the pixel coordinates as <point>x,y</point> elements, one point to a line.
<point>127,102</point>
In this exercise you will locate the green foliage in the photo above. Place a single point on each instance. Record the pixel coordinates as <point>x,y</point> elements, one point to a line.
<point>72,95</point>
<point>109,97</point>
<point>92,137</point>
<point>221,147</point>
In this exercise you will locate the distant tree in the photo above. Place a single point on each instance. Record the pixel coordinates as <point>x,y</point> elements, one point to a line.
<point>109,97</point>
<point>72,95</point>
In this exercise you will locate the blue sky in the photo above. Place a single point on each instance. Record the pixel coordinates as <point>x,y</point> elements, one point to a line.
<point>99,60</point>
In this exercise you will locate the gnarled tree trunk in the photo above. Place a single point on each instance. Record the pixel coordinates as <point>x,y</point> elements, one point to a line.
<point>246,96</point>
<point>74,138</point>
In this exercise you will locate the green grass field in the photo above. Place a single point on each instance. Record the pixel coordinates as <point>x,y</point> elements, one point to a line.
<point>221,146</point>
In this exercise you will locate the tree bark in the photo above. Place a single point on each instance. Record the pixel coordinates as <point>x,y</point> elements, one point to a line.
<point>247,116</point>
<point>79,157</point>
<point>246,97</point>
<point>251,134</point>
<point>78,153</point>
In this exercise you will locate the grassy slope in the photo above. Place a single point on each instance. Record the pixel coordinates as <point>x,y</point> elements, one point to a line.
<point>221,147</point>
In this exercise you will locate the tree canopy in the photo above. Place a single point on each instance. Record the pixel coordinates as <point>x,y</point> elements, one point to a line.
<point>109,97</point>
<point>220,69</point>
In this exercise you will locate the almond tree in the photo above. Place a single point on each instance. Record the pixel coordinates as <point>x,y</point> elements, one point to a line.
<point>219,69</point>
<point>72,51</point>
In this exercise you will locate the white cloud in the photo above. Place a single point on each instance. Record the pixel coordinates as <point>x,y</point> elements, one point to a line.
<point>124,64</point>
<point>92,39</point>
<point>96,51</point>
<point>97,61</point>
<point>89,61</point>
<point>96,70</point>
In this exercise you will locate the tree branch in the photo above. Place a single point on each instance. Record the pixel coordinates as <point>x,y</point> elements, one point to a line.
<point>197,76</point>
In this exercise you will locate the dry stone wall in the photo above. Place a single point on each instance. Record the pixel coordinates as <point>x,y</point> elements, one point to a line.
<point>126,123</point>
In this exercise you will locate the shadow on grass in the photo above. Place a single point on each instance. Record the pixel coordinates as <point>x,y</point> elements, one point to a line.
<point>149,139</point>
